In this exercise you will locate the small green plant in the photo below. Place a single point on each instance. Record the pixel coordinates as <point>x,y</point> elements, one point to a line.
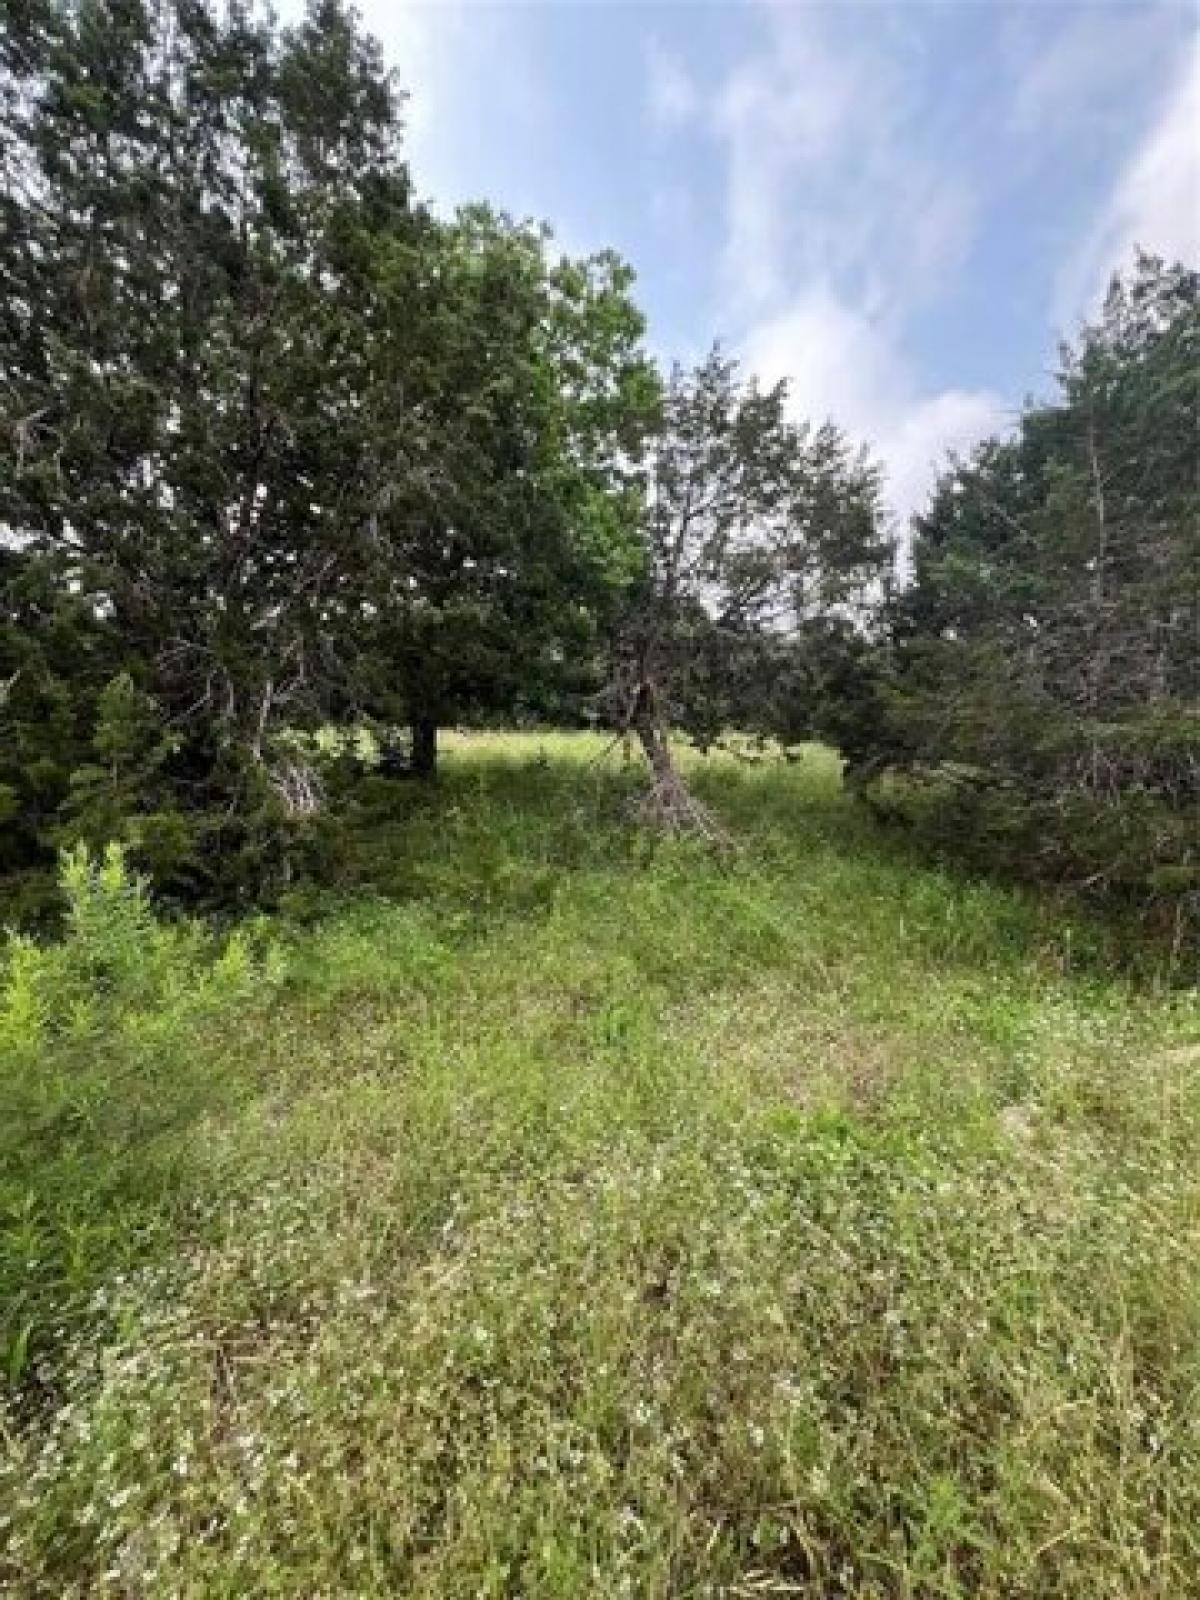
<point>112,938</point>
<point>24,1002</point>
<point>109,1053</point>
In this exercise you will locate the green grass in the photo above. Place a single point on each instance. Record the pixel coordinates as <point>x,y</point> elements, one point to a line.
<point>555,1216</point>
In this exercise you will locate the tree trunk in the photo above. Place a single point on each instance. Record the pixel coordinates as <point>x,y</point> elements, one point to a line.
<point>652,739</point>
<point>424,746</point>
<point>669,806</point>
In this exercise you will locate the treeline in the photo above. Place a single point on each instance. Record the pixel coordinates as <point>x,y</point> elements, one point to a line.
<point>285,449</point>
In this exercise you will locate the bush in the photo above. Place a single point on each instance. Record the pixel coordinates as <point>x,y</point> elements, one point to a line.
<point>1130,851</point>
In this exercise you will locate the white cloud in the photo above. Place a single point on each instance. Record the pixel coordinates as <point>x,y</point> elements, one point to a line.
<point>844,365</point>
<point>836,361</point>
<point>457,62</point>
<point>671,96</point>
<point>1155,203</point>
<point>825,176</point>
<point>1076,83</point>
<point>930,430</point>
<point>774,126</point>
<point>838,224</point>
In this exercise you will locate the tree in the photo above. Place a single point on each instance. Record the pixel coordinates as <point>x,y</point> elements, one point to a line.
<point>1046,670</point>
<point>501,545</point>
<point>755,529</point>
<point>193,206</point>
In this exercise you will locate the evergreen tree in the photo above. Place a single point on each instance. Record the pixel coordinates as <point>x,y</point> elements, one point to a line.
<point>1048,651</point>
<point>191,202</point>
<point>502,542</point>
<point>758,533</point>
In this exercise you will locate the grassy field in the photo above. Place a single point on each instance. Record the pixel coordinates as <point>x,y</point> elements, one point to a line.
<point>560,1217</point>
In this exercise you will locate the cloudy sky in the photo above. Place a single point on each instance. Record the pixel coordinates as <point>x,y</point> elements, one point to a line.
<point>898,206</point>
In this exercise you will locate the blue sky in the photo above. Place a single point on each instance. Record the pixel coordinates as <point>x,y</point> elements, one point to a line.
<point>898,206</point>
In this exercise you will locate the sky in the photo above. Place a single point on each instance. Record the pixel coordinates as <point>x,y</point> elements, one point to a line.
<point>901,206</point>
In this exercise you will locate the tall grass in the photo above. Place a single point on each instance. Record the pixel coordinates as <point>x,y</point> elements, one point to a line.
<point>554,1215</point>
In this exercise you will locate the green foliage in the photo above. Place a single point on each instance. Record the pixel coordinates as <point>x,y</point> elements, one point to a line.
<point>118,966</point>
<point>582,1224</point>
<point>129,748</point>
<point>501,559</point>
<point>279,445</point>
<point>758,532</point>
<point>187,277</point>
<point>88,1026</point>
<point>1044,688</point>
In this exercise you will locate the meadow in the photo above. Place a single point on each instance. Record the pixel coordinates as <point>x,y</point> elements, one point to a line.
<point>559,1213</point>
